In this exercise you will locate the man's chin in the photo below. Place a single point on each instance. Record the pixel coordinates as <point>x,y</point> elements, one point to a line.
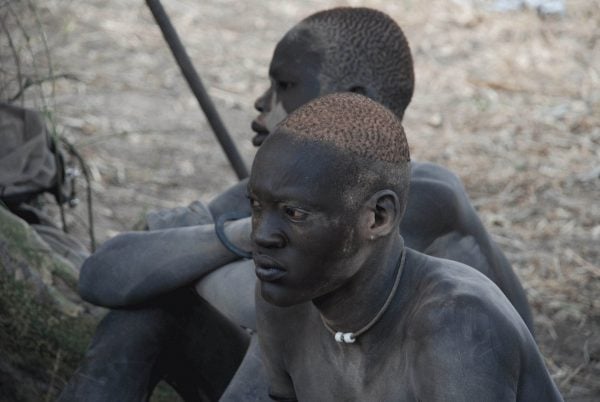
<point>275,295</point>
<point>259,138</point>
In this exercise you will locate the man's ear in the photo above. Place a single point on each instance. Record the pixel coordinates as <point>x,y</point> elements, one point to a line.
<point>383,210</point>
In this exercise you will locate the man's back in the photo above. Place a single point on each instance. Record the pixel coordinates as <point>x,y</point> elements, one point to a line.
<point>440,221</point>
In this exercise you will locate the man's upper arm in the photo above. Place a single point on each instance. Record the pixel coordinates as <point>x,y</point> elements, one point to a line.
<point>466,353</point>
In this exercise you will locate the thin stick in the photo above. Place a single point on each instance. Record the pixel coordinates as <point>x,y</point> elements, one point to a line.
<point>195,83</point>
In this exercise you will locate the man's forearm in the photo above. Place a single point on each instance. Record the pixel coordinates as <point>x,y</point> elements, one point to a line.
<point>136,267</point>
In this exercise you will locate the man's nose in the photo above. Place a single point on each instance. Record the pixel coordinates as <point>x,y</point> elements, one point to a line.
<point>265,234</point>
<point>261,104</point>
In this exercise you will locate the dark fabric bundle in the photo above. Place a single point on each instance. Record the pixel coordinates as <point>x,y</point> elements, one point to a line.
<point>27,164</point>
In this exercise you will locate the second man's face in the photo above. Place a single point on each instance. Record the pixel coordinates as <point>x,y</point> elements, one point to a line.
<point>295,80</point>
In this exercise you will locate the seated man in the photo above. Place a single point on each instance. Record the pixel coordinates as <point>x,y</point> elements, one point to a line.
<point>312,60</point>
<point>345,310</point>
<point>143,269</point>
<point>364,51</point>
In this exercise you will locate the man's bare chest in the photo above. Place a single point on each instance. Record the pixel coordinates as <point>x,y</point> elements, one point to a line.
<point>322,369</point>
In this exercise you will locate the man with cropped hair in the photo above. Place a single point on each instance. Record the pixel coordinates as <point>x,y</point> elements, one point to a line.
<point>345,310</point>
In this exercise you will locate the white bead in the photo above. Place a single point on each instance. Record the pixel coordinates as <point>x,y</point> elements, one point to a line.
<point>344,337</point>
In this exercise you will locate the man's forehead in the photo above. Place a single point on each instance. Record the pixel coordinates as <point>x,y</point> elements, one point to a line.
<point>293,48</point>
<point>284,183</point>
<point>280,161</point>
<point>300,169</point>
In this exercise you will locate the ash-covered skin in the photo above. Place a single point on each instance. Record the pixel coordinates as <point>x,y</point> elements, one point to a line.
<point>364,51</point>
<point>339,50</point>
<point>306,242</point>
<point>323,54</point>
<point>294,232</point>
<point>294,72</point>
<point>440,220</point>
<point>449,334</point>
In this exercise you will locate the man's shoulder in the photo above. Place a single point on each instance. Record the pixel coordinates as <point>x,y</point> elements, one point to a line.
<point>435,174</point>
<point>454,297</point>
<point>462,327</point>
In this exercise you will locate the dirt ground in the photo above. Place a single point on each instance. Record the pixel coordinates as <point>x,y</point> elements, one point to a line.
<point>508,101</point>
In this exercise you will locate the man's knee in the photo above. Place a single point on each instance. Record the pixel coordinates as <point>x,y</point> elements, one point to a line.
<point>128,333</point>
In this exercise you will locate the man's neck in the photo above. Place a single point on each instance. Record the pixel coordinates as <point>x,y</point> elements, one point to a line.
<point>351,307</point>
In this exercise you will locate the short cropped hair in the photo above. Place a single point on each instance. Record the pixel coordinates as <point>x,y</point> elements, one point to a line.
<point>366,46</point>
<point>363,129</point>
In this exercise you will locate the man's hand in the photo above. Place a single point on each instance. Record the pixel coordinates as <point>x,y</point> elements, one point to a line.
<point>238,232</point>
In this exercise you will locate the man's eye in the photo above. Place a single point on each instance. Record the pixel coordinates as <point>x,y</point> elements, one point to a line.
<point>254,204</point>
<point>284,85</point>
<point>295,214</point>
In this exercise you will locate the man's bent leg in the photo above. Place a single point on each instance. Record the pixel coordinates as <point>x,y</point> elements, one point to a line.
<point>180,339</point>
<point>230,289</point>
<point>202,362</point>
<point>122,362</point>
<point>250,383</point>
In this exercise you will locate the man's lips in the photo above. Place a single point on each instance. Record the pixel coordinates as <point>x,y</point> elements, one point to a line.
<point>267,269</point>
<point>261,133</point>
<point>258,139</point>
<point>269,274</point>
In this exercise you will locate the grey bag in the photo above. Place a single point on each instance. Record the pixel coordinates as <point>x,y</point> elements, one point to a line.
<point>30,164</point>
<point>27,164</point>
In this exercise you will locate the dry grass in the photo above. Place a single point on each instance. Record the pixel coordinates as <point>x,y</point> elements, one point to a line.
<point>510,102</point>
